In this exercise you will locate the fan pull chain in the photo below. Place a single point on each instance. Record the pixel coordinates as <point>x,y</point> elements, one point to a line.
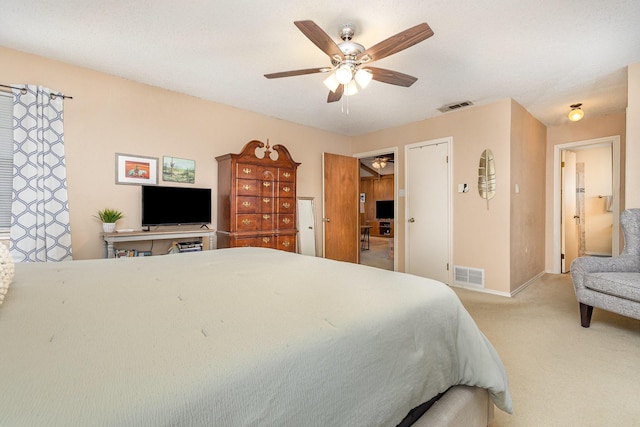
<point>342,109</point>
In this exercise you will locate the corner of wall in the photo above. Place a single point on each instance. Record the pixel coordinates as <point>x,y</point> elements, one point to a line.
<point>632,146</point>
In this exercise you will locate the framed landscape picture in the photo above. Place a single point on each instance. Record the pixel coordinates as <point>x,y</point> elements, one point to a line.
<point>137,170</point>
<point>178,170</point>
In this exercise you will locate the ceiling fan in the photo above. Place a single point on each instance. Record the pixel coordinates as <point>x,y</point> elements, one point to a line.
<point>349,60</point>
<point>381,162</point>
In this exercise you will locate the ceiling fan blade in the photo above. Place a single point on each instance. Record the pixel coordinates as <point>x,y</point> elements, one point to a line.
<point>297,72</point>
<point>392,77</point>
<point>397,43</point>
<point>335,96</point>
<point>320,38</point>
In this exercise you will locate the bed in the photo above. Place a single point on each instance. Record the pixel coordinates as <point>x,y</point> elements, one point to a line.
<point>234,337</point>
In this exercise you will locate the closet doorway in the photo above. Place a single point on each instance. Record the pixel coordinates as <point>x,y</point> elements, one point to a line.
<point>378,210</point>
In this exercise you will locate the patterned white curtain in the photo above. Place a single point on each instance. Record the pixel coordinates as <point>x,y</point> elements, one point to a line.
<point>40,228</point>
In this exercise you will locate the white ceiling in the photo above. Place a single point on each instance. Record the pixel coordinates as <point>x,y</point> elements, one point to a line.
<point>545,54</point>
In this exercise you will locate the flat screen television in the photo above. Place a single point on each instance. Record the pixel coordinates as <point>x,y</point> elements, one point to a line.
<point>384,209</point>
<point>175,205</point>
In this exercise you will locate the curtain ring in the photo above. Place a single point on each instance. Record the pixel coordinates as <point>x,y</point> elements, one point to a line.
<point>52,95</point>
<point>23,91</point>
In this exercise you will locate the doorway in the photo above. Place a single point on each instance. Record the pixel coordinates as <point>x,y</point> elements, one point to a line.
<point>586,203</point>
<point>378,210</point>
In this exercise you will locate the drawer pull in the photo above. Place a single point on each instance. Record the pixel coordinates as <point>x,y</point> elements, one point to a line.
<point>286,220</point>
<point>247,171</point>
<point>266,184</point>
<point>266,239</point>
<point>286,189</point>
<point>246,187</point>
<point>286,205</point>
<point>266,200</point>
<point>246,204</point>
<point>246,221</point>
<point>266,216</point>
<point>286,174</point>
<point>286,244</point>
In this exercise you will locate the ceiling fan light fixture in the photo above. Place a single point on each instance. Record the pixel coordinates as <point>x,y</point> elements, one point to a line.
<point>379,164</point>
<point>344,73</point>
<point>576,113</point>
<point>348,57</point>
<point>350,88</point>
<point>331,82</point>
<point>363,77</point>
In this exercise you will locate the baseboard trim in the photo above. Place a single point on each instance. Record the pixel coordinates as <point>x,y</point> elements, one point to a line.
<point>527,283</point>
<point>501,293</point>
<point>483,290</point>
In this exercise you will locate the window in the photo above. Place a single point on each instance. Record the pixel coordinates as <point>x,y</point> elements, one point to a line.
<point>6,162</point>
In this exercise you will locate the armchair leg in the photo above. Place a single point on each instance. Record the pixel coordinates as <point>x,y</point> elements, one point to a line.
<point>585,315</point>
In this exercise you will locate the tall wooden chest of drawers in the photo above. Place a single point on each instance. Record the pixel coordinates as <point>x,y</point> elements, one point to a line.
<point>257,198</point>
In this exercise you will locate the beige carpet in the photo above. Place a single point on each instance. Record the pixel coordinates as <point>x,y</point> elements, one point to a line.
<point>378,253</point>
<point>561,374</point>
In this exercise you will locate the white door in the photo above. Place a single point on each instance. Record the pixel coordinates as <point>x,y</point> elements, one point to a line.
<point>306,226</point>
<point>569,218</point>
<point>428,210</point>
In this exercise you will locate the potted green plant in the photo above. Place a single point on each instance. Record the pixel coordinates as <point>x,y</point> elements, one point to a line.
<point>109,218</point>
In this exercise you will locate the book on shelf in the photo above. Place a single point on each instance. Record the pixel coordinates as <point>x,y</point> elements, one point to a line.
<point>125,253</point>
<point>189,246</point>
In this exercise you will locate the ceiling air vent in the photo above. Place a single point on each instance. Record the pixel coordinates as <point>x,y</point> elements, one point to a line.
<point>456,106</point>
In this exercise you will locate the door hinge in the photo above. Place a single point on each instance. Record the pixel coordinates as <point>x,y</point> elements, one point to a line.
<point>447,161</point>
<point>562,164</point>
<point>447,266</point>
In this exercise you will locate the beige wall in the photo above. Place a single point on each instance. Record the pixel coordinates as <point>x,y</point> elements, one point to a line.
<point>111,115</point>
<point>633,138</point>
<point>481,236</point>
<point>587,129</point>
<point>528,148</point>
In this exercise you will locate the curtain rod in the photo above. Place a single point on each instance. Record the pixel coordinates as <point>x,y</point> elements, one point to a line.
<point>24,91</point>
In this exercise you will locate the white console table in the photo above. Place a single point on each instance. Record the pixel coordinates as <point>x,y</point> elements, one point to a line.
<point>136,236</point>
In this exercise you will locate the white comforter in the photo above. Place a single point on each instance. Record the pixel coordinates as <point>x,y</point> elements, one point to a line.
<point>232,337</point>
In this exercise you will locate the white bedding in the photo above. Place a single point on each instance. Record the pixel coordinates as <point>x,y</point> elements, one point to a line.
<point>232,337</point>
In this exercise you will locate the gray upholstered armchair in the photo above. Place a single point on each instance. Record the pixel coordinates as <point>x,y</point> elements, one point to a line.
<point>611,284</point>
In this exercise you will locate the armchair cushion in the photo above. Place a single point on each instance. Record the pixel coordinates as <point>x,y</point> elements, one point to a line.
<point>623,285</point>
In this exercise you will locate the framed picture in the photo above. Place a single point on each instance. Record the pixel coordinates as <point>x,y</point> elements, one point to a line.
<point>178,170</point>
<point>136,170</point>
<point>143,253</point>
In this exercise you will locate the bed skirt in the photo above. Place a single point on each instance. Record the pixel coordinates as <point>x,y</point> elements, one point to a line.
<point>459,406</point>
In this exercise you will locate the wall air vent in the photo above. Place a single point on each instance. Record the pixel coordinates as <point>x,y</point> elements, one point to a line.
<point>465,276</point>
<point>456,106</point>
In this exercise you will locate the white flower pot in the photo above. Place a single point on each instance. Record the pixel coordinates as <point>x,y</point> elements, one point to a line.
<point>108,227</point>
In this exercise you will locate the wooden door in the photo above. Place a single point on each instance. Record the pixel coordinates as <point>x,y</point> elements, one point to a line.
<point>428,229</point>
<point>341,228</point>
